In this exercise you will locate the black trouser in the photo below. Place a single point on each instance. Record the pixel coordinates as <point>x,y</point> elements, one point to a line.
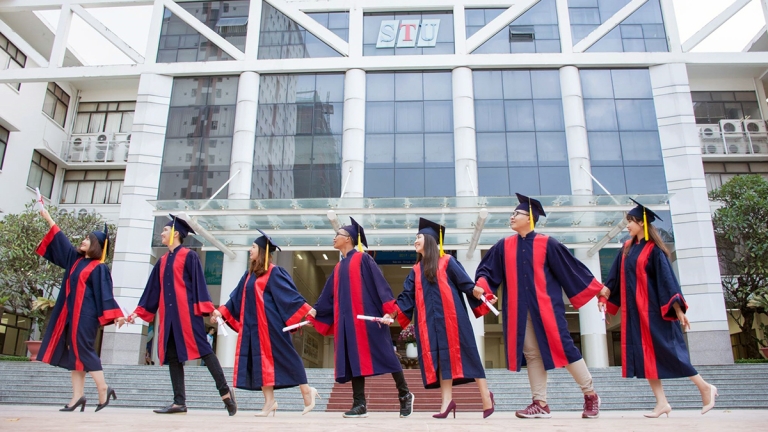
<point>177,372</point>
<point>358,388</point>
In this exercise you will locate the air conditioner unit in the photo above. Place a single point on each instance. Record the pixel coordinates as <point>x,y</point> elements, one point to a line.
<point>712,149</point>
<point>738,148</point>
<point>709,131</point>
<point>755,127</point>
<point>731,127</point>
<point>78,148</point>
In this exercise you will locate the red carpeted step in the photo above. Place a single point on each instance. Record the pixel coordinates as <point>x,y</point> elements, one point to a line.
<point>381,395</point>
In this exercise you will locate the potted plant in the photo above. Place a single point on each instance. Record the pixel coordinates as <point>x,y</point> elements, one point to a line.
<point>408,337</point>
<point>29,283</point>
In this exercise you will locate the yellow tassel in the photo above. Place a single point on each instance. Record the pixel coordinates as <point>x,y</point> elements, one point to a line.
<point>645,224</point>
<point>530,214</point>
<point>170,239</point>
<point>266,261</point>
<point>359,242</point>
<point>104,252</point>
<point>442,252</point>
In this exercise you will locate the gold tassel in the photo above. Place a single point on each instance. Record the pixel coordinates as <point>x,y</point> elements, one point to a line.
<point>645,224</point>
<point>442,252</point>
<point>266,261</point>
<point>530,214</point>
<point>170,238</point>
<point>104,251</point>
<point>359,242</point>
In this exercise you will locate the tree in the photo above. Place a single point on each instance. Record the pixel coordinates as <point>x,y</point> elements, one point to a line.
<point>27,281</point>
<point>741,234</point>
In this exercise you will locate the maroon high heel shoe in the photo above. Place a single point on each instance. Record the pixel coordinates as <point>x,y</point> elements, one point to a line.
<point>489,411</point>
<point>451,407</point>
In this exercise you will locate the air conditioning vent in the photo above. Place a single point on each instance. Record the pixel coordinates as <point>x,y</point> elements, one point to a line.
<point>731,126</point>
<point>102,138</point>
<point>755,126</point>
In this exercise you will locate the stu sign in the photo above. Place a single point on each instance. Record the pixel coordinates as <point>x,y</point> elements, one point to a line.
<point>408,33</point>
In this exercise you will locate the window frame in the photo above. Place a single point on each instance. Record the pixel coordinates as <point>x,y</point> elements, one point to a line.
<point>3,144</point>
<point>59,95</point>
<point>42,160</point>
<point>112,182</point>
<point>19,58</point>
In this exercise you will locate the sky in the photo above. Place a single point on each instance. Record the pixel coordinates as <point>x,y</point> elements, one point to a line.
<point>132,25</point>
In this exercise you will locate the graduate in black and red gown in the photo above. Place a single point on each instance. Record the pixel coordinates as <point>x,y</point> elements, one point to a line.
<point>536,269</point>
<point>177,292</point>
<point>432,297</point>
<point>85,303</point>
<point>642,284</point>
<point>265,301</point>
<point>362,348</point>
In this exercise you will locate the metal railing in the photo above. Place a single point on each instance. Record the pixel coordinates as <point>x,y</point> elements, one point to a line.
<point>717,141</point>
<point>83,150</point>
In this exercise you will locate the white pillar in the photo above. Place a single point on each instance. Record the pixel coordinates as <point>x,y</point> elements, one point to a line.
<point>709,339</point>
<point>353,146</point>
<point>231,272</point>
<point>243,141</point>
<point>464,140</point>
<point>478,324</point>
<point>133,247</point>
<point>594,346</point>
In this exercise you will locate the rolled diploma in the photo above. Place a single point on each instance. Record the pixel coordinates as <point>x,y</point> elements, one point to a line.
<point>295,326</point>
<point>222,328</point>
<point>375,319</point>
<point>490,306</point>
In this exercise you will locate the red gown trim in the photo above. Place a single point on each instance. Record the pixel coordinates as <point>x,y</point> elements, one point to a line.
<point>649,353</point>
<point>161,310</point>
<point>334,326</point>
<point>510,264</point>
<point>666,307</point>
<point>299,314</point>
<point>79,295</point>
<point>240,333</point>
<point>183,303</point>
<point>205,307</point>
<point>61,322</point>
<point>361,331</point>
<point>579,300</point>
<point>226,315</point>
<point>483,309</point>
<point>426,350</point>
<point>547,312</point>
<point>451,318</point>
<point>109,316</point>
<point>43,246</point>
<point>265,342</point>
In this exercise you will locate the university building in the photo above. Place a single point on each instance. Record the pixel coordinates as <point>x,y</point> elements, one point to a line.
<point>292,116</point>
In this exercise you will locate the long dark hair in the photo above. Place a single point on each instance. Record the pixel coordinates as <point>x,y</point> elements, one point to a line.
<point>429,259</point>
<point>94,250</point>
<point>257,266</point>
<point>653,236</point>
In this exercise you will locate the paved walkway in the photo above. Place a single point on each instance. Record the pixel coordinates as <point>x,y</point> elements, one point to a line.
<point>39,418</point>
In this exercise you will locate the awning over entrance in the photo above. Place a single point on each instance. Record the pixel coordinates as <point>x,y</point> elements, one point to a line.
<point>391,223</point>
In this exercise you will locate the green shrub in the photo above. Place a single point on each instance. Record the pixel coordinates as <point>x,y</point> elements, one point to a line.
<point>13,358</point>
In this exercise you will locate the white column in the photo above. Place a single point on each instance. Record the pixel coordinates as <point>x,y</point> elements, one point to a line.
<point>153,36</point>
<point>670,26</point>
<point>231,272</point>
<point>464,140</point>
<point>594,346</point>
<point>353,140</point>
<point>59,50</point>
<point>133,247</point>
<point>478,324</point>
<point>709,339</point>
<point>243,141</point>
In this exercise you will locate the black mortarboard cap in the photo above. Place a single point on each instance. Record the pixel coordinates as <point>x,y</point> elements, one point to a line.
<point>638,212</point>
<point>355,229</point>
<point>102,236</point>
<point>265,240</point>
<point>532,206</point>
<point>427,227</point>
<point>180,225</point>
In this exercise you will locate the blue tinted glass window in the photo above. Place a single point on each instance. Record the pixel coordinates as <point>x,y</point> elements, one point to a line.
<point>299,124</point>
<point>283,38</point>
<point>519,126</point>
<point>409,135</point>
<point>179,42</point>
<point>642,31</point>
<point>622,131</point>
<point>336,22</point>
<point>535,31</point>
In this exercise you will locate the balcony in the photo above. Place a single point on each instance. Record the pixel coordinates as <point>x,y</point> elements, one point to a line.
<point>734,139</point>
<point>97,149</point>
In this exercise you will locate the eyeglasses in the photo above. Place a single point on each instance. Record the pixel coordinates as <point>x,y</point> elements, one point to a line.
<point>517,213</point>
<point>343,235</point>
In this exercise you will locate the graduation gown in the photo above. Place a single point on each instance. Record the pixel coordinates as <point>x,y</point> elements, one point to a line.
<point>643,285</point>
<point>361,348</point>
<point>257,310</point>
<point>536,270</point>
<point>85,303</point>
<point>444,334</point>
<point>176,290</point>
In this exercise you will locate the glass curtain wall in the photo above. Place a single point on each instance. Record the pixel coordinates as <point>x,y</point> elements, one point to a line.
<point>198,140</point>
<point>409,135</point>
<point>298,136</point>
<point>520,133</point>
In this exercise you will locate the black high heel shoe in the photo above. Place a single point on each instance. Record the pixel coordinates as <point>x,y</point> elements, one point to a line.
<point>110,392</point>
<point>80,402</point>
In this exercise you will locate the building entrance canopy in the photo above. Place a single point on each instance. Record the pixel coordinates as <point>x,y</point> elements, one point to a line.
<point>391,223</point>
